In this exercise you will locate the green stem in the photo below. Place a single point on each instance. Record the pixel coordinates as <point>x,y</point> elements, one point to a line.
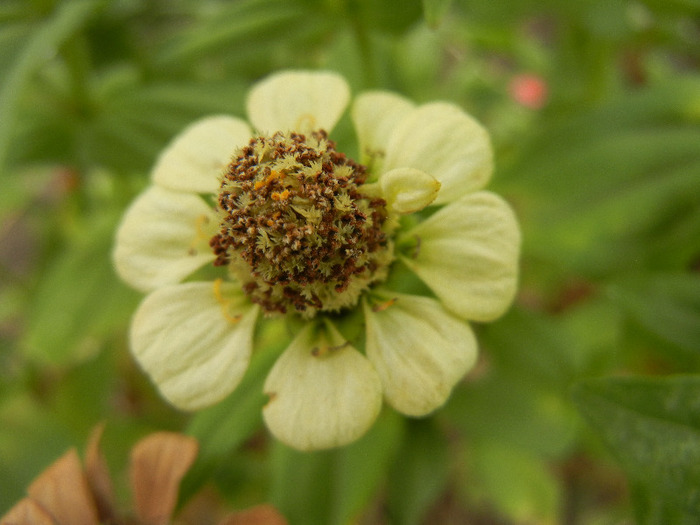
<point>363,42</point>
<point>76,55</point>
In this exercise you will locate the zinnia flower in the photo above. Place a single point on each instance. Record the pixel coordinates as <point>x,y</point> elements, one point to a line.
<point>298,229</point>
<point>68,494</point>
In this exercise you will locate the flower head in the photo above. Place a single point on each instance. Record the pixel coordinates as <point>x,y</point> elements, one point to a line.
<point>299,229</point>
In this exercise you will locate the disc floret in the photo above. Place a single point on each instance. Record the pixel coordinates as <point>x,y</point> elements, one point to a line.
<point>296,228</point>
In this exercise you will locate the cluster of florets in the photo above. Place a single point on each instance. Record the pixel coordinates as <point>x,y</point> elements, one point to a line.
<point>296,229</point>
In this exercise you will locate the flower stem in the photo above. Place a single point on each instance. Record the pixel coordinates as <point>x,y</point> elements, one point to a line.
<point>363,43</point>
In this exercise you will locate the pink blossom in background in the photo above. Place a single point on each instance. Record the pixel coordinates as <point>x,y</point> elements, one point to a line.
<point>529,90</point>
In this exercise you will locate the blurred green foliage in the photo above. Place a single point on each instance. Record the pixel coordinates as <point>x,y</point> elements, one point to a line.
<point>584,407</point>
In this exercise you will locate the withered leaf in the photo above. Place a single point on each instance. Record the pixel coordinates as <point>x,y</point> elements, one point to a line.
<point>63,491</point>
<point>158,464</point>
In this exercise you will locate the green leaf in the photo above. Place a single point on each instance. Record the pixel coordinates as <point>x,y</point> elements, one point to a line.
<point>136,120</point>
<point>652,509</point>
<point>518,484</point>
<point>32,438</point>
<point>520,413</point>
<point>360,468</point>
<point>420,473</point>
<point>301,484</point>
<point>418,62</point>
<point>239,27</point>
<point>333,487</point>
<point>681,7</point>
<point>68,400</point>
<point>652,426</point>
<point>667,305</point>
<point>20,188</point>
<point>599,191</point>
<point>540,345</point>
<point>78,300</point>
<point>68,19</point>
<point>435,10</point>
<point>393,16</point>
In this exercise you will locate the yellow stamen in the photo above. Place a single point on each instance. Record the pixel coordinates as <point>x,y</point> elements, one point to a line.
<point>383,306</point>
<point>280,196</point>
<point>202,221</point>
<point>322,351</point>
<point>306,122</point>
<point>224,303</point>
<point>200,236</point>
<point>274,175</point>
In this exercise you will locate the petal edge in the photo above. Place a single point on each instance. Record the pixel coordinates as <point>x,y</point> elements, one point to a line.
<point>419,350</point>
<point>195,159</point>
<point>445,142</point>
<point>185,338</point>
<point>162,238</point>
<point>469,254</point>
<point>324,398</point>
<point>300,101</point>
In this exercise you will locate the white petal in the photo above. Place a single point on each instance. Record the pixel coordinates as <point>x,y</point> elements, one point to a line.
<point>163,238</point>
<point>194,340</point>
<point>300,101</point>
<point>323,392</point>
<point>468,254</point>
<point>419,351</point>
<point>442,140</point>
<point>408,190</point>
<point>376,114</point>
<point>196,158</point>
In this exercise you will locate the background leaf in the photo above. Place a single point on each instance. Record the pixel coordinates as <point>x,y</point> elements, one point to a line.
<point>68,18</point>
<point>420,472</point>
<point>652,425</point>
<point>667,305</point>
<point>513,481</point>
<point>78,302</point>
<point>435,10</point>
<point>333,487</point>
<point>600,191</point>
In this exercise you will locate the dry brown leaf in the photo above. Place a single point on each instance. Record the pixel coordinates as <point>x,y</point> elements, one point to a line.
<point>158,464</point>
<point>259,515</point>
<point>27,512</point>
<point>63,492</point>
<point>98,478</point>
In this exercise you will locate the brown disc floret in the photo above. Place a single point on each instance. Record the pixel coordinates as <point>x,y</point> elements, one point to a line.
<point>296,228</point>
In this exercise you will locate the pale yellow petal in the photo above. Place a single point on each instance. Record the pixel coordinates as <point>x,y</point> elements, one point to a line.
<point>194,340</point>
<point>163,238</point>
<point>376,114</point>
<point>408,190</point>
<point>323,392</point>
<point>194,161</point>
<point>300,101</point>
<point>467,253</point>
<point>443,141</point>
<point>419,351</point>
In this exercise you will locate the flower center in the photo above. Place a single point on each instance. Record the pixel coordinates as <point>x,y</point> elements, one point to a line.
<point>296,228</point>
